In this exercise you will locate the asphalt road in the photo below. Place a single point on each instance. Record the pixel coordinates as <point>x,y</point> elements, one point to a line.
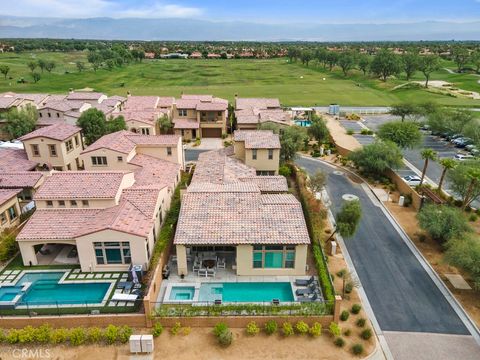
<point>401,293</point>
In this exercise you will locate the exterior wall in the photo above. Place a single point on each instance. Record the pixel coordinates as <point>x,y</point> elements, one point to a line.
<point>54,114</point>
<point>247,126</point>
<point>239,150</point>
<point>63,158</point>
<point>262,163</point>
<point>28,253</point>
<point>186,134</point>
<point>245,263</point>
<point>182,260</point>
<point>3,210</point>
<point>191,114</point>
<point>160,152</point>
<point>92,204</point>
<point>112,160</point>
<point>137,126</point>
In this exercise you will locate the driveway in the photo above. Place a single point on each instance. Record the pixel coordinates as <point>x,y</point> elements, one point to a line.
<point>207,144</point>
<point>402,294</point>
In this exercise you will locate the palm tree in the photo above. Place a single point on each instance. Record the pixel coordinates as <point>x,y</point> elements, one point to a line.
<point>427,154</point>
<point>474,176</point>
<point>448,164</point>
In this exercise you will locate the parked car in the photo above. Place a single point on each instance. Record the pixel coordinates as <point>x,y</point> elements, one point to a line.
<point>475,152</point>
<point>462,142</point>
<point>425,127</point>
<point>412,180</point>
<point>470,147</point>
<point>463,157</point>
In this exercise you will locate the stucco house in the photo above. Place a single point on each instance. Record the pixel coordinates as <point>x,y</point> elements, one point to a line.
<point>200,116</point>
<point>9,208</point>
<point>55,147</point>
<point>250,113</point>
<point>26,183</point>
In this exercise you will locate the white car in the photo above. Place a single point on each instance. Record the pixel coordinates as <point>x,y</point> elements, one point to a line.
<point>463,157</point>
<point>412,180</point>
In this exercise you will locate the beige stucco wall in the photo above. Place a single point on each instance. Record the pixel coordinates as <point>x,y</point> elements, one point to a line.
<point>160,152</point>
<point>63,157</point>
<point>27,249</point>
<point>263,163</point>
<point>137,126</point>
<point>3,209</point>
<point>245,263</point>
<point>112,160</point>
<point>191,114</point>
<point>186,134</point>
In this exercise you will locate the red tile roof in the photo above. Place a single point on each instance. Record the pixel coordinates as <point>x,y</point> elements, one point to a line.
<point>59,132</point>
<point>15,160</point>
<point>19,179</point>
<point>7,194</point>
<point>153,172</point>
<point>258,139</point>
<point>256,103</point>
<point>141,103</point>
<point>84,95</point>
<point>185,124</point>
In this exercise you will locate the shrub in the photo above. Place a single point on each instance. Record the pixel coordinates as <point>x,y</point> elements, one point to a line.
<point>224,136</point>
<point>361,322</point>
<point>287,329</point>
<point>223,334</point>
<point>344,315</point>
<point>302,327</point>
<point>356,308</point>
<point>94,335</point>
<point>285,170</point>
<point>157,329</point>
<point>347,332</point>
<point>42,334</point>
<point>59,336</point>
<point>334,329</point>
<point>357,349</point>
<point>350,132</point>
<point>315,330</point>
<point>341,273</point>
<point>473,218</point>
<point>111,334</point>
<point>176,328</point>
<point>12,336</point>
<point>339,341</point>
<point>252,328</point>
<point>77,336</point>
<point>8,246</point>
<point>124,334</point>
<point>186,330</point>
<point>366,334</point>
<point>219,328</point>
<point>348,287</point>
<point>271,327</point>
<point>26,335</point>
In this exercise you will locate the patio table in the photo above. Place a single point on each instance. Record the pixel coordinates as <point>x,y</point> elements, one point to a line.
<point>209,263</point>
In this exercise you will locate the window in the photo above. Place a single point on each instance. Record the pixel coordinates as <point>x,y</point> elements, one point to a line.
<point>49,203</point>
<point>77,143</point>
<point>85,203</point>
<point>69,167</point>
<point>99,160</point>
<point>265,172</point>
<point>204,114</point>
<point>49,115</point>
<point>254,154</point>
<point>12,213</point>
<point>270,154</point>
<point>35,150</point>
<point>112,252</point>
<point>273,257</point>
<point>69,145</point>
<point>53,150</point>
<point>219,113</point>
<point>3,218</point>
<point>182,112</point>
<point>61,203</point>
<point>145,131</point>
<point>169,151</point>
<point>73,203</point>
<point>40,114</point>
<point>119,158</point>
<point>58,115</point>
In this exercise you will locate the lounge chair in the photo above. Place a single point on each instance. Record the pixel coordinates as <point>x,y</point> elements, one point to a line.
<point>196,267</point>
<point>308,299</point>
<point>211,273</point>
<point>303,282</point>
<point>221,264</point>
<point>202,272</point>
<point>127,285</point>
<point>306,291</point>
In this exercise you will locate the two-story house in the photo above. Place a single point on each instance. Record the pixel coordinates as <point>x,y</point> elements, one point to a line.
<point>199,116</point>
<point>55,147</point>
<point>9,208</point>
<point>250,113</point>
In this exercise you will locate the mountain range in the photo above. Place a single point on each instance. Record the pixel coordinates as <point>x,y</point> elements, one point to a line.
<point>198,30</point>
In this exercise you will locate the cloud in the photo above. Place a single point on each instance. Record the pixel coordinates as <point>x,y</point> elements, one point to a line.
<point>97,8</point>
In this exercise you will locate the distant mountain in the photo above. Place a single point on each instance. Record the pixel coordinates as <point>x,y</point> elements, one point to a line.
<point>197,30</point>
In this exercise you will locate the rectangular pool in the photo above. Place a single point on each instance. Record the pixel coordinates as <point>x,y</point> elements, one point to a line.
<point>182,293</point>
<point>246,291</point>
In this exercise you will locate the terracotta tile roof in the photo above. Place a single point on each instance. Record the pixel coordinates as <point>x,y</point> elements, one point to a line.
<point>15,160</point>
<point>56,97</point>
<point>117,98</point>
<point>197,97</point>
<point>6,102</point>
<point>81,185</point>
<point>274,115</point>
<point>213,106</point>
<point>19,179</point>
<point>84,95</point>
<point>144,200</point>
<point>254,116</point>
<point>186,104</point>
<point>141,103</point>
<point>62,105</point>
<point>7,194</point>
<point>201,103</point>
<point>154,139</point>
<point>105,108</point>
<point>165,101</point>
<point>258,139</point>
<point>36,98</point>
<point>144,116</point>
<point>185,124</point>
<point>268,183</point>
<point>257,103</point>
<point>59,132</point>
<point>237,187</point>
<point>153,172</point>
<point>117,141</point>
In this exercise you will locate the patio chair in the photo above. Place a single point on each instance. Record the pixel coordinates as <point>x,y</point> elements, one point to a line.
<point>306,291</point>
<point>211,273</point>
<point>308,299</point>
<point>202,272</point>
<point>221,264</point>
<point>303,282</point>
<point>196,267</point>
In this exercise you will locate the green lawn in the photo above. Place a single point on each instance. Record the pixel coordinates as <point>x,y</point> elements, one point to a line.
<point>294,84</point>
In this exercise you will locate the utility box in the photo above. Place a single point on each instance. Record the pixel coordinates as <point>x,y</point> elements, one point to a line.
<point>401,201</point>
<point>147,343</point>
<point>135,343</point>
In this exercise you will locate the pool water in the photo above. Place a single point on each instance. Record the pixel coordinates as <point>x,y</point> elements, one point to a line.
<point>45,290</point>
<point>182,293</point>
<point>246,291</point>
<point>304,123</point>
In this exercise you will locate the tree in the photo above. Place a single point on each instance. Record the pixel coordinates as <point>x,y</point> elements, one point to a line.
<point>404,134</point>
<point>291,141</point>
<point>164,124</point>
<point>376,158</point>
<point>346,61</point>
<point>32,65</point>
<point>460,57</point>
<point>36,77</point>
<point>385,64</point>
<point>442,222</point>
<point>410,62</point>
<point>306,56</point>
<point>447,164</point>
<point>95,59</point>
<point>464,182</point>
<point>347,219</point>
<point>475,59</point>
<point>116,124</point>
<point>49,66</point>
<point>427,155</point>
<point>364,63</point>
<point>4,69</point>
<point>93,124</point>
<point>80,66</point>
<point>21,122</point>
<point>403,110</point>
<point>464,252</point>
<point>110,63</point>
<point>317,181</point>
<point>318,129</point>
<point>427,65</point>
<point>332,58</point>
<point>41,64</point>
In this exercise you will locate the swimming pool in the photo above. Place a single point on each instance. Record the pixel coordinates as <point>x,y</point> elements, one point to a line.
<point>303,123</point>
<point>42,288</point>
<point>182,293</point>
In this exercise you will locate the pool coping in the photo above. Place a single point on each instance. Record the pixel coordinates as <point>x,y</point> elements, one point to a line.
<point>62,280</point>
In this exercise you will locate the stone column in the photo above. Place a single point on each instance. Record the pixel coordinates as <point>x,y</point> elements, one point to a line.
<point>182,260</point>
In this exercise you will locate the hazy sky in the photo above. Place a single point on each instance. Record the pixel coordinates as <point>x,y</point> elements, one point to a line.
<point>272,11</point>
